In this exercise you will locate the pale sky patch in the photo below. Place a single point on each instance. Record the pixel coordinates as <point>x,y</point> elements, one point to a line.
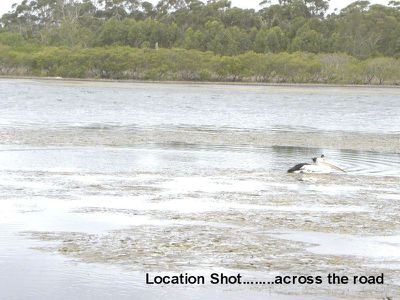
<point>5,5</point>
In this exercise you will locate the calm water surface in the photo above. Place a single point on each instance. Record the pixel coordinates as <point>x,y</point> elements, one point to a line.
<point>102,182</point>
<point>59,104</point>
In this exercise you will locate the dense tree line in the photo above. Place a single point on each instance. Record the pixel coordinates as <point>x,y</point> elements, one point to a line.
<point>291,41</point>
<point>361,30</point>
<point>123,62</point>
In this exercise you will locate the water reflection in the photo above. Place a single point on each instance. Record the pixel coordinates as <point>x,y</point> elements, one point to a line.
<point>182,158</point>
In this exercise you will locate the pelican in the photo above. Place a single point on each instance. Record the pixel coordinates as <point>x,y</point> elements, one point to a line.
<point>318,165</point>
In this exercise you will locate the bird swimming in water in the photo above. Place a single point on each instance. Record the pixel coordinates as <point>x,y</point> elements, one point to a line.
<point>318,165</point>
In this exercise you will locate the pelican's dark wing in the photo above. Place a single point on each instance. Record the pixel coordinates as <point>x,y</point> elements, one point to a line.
<point>298,167</point>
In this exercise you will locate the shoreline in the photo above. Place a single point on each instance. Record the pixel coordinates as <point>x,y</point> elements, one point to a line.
<point>221,83</point>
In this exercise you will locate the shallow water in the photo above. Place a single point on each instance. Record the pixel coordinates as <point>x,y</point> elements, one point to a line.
<point>26,103</point>
<point>99,184</point>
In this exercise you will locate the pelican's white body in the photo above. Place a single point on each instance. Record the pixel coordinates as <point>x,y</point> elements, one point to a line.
<point>314,168</point>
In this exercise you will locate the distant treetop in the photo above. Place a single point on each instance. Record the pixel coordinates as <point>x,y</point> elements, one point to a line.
<point>360,29</point>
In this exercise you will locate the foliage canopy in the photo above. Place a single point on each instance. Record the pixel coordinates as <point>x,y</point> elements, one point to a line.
<point>291,41</point>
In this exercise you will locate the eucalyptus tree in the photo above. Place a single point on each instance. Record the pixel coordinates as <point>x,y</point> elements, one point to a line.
<point>118,8</point>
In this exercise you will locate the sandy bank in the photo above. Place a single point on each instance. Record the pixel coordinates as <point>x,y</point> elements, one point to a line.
<point>243,83</point>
